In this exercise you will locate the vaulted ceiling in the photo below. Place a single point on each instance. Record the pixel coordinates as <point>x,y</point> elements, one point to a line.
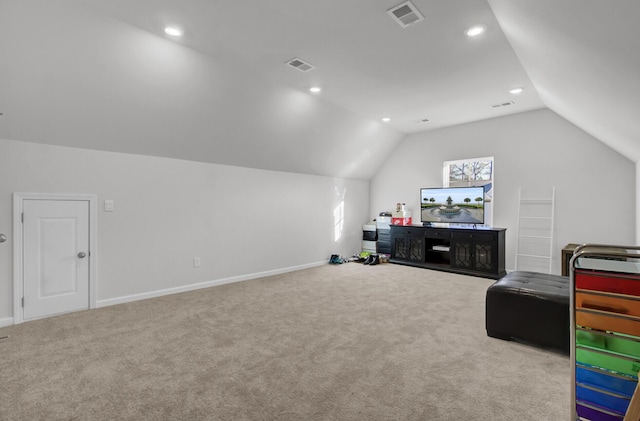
<point>103,75</point>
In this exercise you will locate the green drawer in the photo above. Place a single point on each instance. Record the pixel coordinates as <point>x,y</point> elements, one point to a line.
<point>621,344</point>
<point>608,360</point>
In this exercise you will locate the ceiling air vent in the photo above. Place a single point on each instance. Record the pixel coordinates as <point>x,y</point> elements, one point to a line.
<point>301,65</point>
<point>503,104</point>
<point>405,14</point>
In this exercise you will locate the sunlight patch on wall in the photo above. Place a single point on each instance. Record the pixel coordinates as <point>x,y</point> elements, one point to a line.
<point>338,214</point>
<point>338,221</point>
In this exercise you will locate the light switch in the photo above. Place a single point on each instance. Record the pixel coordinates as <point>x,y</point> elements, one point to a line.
<point>108,205</point>
<point>196,262</point>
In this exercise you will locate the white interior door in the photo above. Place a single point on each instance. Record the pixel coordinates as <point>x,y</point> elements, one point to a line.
<point>56,258</point>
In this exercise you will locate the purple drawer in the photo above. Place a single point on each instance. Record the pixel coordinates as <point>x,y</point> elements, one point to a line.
<point>593,414</point>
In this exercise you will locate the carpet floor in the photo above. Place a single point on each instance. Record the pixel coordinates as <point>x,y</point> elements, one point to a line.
<point>335,342</point>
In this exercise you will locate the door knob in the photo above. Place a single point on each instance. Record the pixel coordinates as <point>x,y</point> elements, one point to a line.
<point>3,238</point>
<point>82,255</point>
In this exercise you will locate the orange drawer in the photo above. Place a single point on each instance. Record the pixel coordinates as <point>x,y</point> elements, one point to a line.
<point>602,320</point>
<point>614,303</point>
<point>599,281</point>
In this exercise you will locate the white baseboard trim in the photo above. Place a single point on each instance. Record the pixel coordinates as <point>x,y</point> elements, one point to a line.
<point>159,293</point>
<point>6,321</point>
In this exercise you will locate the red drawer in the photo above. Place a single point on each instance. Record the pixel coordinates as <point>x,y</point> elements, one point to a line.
<point>598,281</point>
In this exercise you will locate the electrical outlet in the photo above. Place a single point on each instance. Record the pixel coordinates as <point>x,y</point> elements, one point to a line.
<point>196,262</point>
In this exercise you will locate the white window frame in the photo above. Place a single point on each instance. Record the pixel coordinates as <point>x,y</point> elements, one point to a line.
<point>489,201</point>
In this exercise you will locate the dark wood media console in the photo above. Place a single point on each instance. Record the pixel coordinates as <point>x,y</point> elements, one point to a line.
<point>470,251</point>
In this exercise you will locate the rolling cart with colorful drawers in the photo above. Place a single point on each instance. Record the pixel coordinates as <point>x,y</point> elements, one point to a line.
<point>605,333</point>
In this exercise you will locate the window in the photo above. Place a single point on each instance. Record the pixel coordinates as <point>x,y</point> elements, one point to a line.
<point>472,172</point>
<point>468,172</point>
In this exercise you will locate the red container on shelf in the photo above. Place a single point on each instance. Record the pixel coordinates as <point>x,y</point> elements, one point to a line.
<point>401,216</point>
<point>401,221</point>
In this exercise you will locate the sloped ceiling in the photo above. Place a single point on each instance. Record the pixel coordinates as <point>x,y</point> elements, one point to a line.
<point>583,57</point>
<point>102,75</point>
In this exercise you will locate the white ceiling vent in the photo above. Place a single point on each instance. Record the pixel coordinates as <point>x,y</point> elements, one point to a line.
<point>405,14</point>
<point>301,65</point>
<point>503,104</point>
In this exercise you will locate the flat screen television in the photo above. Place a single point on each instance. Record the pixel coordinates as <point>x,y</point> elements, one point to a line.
<point>454,205</point>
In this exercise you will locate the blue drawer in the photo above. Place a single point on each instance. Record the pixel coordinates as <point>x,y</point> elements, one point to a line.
<point>615,404</point>
<point>609,382</point>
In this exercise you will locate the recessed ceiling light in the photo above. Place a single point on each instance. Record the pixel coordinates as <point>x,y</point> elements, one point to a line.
<point>386,119</point>
<point>315,89</point>
<point>516,91</point>
<point>173,31</point>
<point>475,30</point>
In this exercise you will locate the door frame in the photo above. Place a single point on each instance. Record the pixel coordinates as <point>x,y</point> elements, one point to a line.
<point>18,286</point>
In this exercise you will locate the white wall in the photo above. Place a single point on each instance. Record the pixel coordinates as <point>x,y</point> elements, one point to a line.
<point>637,202</point>
<point>595,186</point>
<point>241,222</point>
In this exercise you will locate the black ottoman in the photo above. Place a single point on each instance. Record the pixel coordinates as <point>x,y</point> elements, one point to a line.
<point>531,307</point>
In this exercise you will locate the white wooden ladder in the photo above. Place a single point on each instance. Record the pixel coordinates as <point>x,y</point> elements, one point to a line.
<point>534,247</point>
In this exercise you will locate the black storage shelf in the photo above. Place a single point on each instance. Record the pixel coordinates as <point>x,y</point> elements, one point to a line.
<point>384,241</point>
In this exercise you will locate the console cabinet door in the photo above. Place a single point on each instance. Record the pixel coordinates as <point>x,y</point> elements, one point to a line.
<point>474,251</point>
<point>409,245</point>
<point>462,256</point>
<point>483,256</point>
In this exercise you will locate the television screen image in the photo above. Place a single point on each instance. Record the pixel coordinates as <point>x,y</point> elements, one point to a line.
<point>455,205</point>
